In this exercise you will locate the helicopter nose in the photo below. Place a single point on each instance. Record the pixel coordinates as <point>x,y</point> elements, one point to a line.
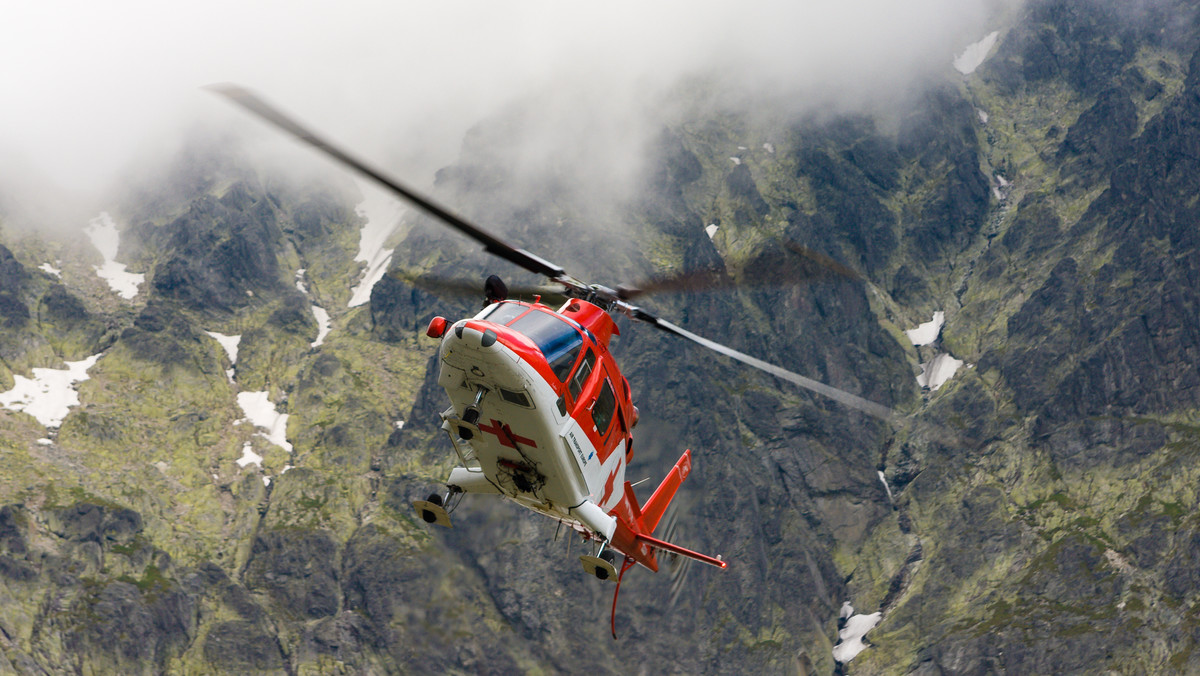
<point>472,337</point>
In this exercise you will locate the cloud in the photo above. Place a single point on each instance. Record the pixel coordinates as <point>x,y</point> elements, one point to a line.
<point>88,87</point>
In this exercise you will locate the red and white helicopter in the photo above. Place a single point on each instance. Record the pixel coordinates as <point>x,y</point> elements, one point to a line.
<point>539,410</point>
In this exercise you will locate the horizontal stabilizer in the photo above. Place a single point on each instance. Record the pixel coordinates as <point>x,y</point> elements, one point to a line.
<point>676,549</point>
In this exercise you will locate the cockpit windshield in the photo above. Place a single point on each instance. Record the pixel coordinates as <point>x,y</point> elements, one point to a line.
<point>558,340</point>
<point>503,313</point>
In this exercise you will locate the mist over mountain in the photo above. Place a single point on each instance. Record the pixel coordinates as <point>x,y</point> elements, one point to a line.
<point>95,93</point>
<point>210,449</point>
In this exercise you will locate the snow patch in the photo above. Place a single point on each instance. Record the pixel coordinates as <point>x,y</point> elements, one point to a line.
<point>50,394</point>
<point>983,117</point>
<point>322,324</point>
<point>50,269</point>
<point>382,212</point>
<point>103,233</point>
<point>300,281</point>
<point>928,332</point>
<point>260,411</point>
<point>399,424</point>
<point>712,230</point>
<point>735,160</point>
<point>886,487</point>
<point>850,638</point>
<point>230,343</point>
<point>769,148</point>
<point>936,371</point>
<point>975,54</point>
<point>249,457</point>
<point>45,442</point>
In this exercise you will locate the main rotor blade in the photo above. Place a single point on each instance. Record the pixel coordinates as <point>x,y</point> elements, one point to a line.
<point>492,244</point>
<point>853,401</point>
<point>461,287</point>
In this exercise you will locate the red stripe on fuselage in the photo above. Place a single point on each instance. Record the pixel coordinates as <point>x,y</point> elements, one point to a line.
<point>608,485</point>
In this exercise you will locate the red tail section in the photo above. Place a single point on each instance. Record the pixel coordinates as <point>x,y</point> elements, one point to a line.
<point>635,523</point>
<point>656,506</point>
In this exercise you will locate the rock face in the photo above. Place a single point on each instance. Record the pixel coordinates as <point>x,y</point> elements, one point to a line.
<point>1035,514</point>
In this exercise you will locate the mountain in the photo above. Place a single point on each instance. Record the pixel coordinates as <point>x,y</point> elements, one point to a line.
<point>230,492</point>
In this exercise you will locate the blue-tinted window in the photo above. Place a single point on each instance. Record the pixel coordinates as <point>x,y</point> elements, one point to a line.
<point>503,313</point>
<point>559,341</point>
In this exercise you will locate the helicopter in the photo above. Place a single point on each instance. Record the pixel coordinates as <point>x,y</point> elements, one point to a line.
<point>540,413</point>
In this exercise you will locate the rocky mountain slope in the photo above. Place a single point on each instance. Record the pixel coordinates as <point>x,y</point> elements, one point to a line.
<point>230,492</point>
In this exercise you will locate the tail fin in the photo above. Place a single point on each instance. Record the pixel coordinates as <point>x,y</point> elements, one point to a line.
<point>656,506</point>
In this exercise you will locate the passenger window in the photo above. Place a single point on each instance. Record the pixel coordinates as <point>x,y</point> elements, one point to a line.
<point>517,398</point>
<point>582,373</point>
<point>603,409</point>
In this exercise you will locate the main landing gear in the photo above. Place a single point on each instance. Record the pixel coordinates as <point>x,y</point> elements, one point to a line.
<point>603,566</point>
<point>436,509</point>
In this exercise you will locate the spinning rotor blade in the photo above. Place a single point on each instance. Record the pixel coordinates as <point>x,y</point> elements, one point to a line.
<point>492,244</point>
<point>814,266</point>
<point>461,287</point>
<point>853,401</point>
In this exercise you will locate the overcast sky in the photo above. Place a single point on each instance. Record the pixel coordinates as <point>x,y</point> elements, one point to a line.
<point>89,85</point>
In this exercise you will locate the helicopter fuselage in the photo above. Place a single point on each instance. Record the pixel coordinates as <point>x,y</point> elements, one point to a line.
<point>539,411</point>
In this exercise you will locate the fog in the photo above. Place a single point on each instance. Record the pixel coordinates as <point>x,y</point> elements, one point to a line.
<point>92,88</point>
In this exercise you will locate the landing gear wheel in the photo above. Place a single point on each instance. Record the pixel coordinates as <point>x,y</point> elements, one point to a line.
<point>601,567</point>
<point>431,510</point>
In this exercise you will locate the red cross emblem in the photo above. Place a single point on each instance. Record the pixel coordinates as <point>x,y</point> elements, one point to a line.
<point>505,434</point>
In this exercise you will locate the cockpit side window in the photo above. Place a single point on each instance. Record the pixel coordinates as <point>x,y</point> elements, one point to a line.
<point>603,409</point>
<point>563,363</point>
<point>581,374</point>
